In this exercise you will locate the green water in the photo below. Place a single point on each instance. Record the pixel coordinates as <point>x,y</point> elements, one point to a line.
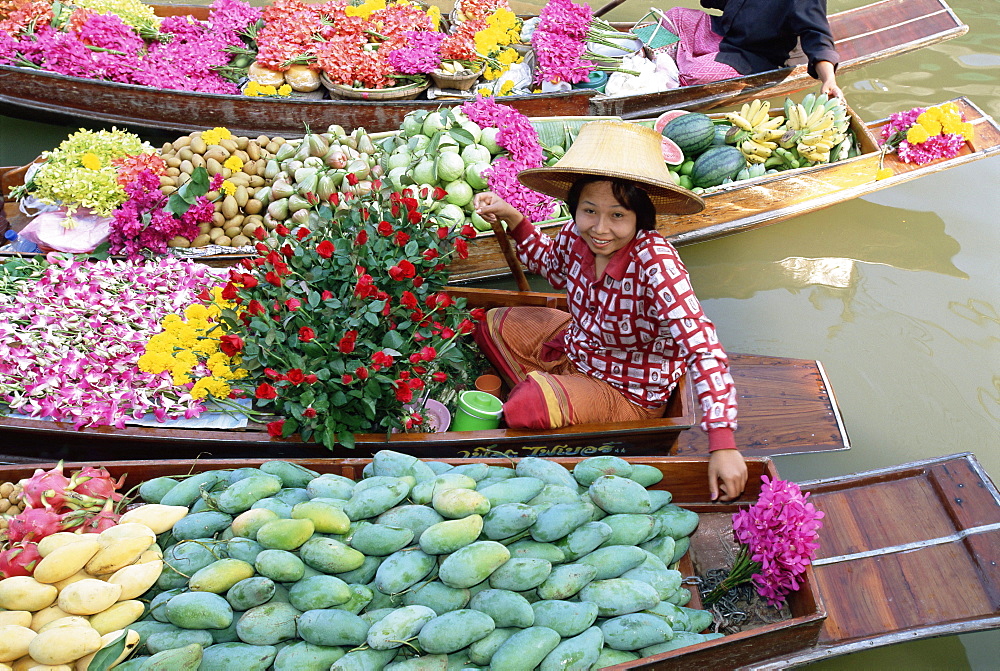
<point>897,294</point>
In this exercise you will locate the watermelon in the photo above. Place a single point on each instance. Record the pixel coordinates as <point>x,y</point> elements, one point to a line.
<point>666,118</point>
<point>693,132</point>
<point>716,165</point>
<point>672,154</point>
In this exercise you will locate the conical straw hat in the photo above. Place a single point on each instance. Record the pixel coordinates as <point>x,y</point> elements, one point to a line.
<point>616,149</point>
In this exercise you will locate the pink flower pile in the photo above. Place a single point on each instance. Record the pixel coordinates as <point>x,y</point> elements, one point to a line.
<point>518,137</point>
<point>559,42</point>
<point>421,55</point>
<point>945,145</point>
<point>104,47</point>
<point>84,502</point>
<point>142,226</point>
<point>780,532</point>
<point>70,342</point>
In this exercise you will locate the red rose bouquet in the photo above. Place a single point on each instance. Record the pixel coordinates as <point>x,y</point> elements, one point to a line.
<point>343,324</point>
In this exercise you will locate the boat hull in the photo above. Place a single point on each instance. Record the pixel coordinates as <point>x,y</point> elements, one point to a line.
<point>787,406</point>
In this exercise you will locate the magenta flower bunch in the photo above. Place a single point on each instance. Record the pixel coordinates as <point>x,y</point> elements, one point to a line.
<point>145,222</point>
<point>71,338</point>
<point>181,55</point>
<point>421,55</point>
<point>559,42</point>
<point>518,137</point>
<point>778,539</point>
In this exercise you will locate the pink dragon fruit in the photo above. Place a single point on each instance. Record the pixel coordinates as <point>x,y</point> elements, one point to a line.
<point>34,524</point>
<point>94,523</point>
<point>19,559</point>
<point>46,489</point>
<point>96,483</point>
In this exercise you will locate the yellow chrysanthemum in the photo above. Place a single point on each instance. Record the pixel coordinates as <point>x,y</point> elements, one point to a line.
<point>228,188</point>
<point>930,123</point>
<point>196,311</point>
<point>252,89</point>
<point>506,88</point>
<point>284,90</point>
<point>155,362</point>
<point>883,173</point>
<point>91,161</point>
<point>180,378</point>
<point>967,131</point>
<point>216,134</point>
<point>916,134</point>
<point>268,90</point>
<point>435,13</point>
<point>234,163</point>
<point>485,91</point>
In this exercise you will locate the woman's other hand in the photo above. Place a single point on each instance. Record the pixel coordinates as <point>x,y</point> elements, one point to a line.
<point>492,207</point>
<point>727,475</point>
<point>828,80</point>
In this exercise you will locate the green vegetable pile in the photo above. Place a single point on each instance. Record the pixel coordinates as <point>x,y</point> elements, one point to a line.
<point>419,565</point>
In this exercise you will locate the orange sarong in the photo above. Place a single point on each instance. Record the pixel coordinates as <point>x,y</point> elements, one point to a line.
<point>547,391</point>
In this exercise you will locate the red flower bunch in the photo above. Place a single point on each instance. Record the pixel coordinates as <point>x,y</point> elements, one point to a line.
<point>354,323</point>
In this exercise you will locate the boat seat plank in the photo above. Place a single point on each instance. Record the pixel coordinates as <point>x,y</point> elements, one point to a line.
<point>902,591</point>
<point>966,499</point>
<point>862,32</point>
<point>787,409</point>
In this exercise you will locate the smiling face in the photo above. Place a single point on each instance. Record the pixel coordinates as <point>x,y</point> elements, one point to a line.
<point>604,224</point>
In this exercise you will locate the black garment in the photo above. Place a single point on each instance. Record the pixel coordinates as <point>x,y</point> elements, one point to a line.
<point>759,35</point>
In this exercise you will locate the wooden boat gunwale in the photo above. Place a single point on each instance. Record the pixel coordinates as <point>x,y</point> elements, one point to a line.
<point>22,89</point>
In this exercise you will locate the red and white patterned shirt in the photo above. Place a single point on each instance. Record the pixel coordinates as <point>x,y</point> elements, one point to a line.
<point>640,327</point>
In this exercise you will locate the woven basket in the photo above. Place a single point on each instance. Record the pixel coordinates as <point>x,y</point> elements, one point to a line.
<point>447,80</point>
<point>341,92</point>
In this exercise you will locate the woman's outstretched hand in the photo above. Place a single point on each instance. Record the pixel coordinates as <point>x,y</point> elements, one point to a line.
<point>492,207</point>
<point>727,475</point>
<point>828,80</point>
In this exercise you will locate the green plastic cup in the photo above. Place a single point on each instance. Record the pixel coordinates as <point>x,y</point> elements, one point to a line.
<point>477,411</point>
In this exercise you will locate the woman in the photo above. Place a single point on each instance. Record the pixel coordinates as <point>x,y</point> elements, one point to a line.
<point>753,36</point>
<point>634,325</point>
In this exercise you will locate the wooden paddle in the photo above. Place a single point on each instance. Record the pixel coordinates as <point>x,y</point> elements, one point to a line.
<point>510,256</point>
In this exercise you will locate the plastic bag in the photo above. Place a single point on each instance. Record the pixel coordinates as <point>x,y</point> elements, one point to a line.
<point>652,77</point>
<point>47,231</point>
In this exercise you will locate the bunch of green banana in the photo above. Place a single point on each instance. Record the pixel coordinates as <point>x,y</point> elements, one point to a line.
<point>751,171</point>
<point>815,127</point>
<point>755,132</point>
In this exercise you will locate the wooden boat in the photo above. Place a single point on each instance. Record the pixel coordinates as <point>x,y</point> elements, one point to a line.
<point>786,405</point>
<point>732,208</point>
<point>878,578</point>
<point>754,203</point>
<point>863,35</point>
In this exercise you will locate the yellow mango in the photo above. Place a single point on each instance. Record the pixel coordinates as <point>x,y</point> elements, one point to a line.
<point>113,557</point>
<point>57,540</point>
<point>121,532</point>
<point>46,615</point>
<point>131,643</point>
<point>79,575</point>
<point>117,616</point>
<point>137,578</point>
<point>64,644</point>
<point>148,556</point>
<point>19,617</point>
<point>23,592</point>
<point>14,641</point>
<point>87,597</point>
<point>50,667</point>
<point>156,516</point>
<point>63,622</point>
<point>66,560</point>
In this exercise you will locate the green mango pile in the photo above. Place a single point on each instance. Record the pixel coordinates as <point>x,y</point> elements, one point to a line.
<point>419,565</point>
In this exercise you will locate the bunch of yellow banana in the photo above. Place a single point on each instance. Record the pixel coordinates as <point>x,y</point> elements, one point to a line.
<point>815,126</point>
<point>755,132</point>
